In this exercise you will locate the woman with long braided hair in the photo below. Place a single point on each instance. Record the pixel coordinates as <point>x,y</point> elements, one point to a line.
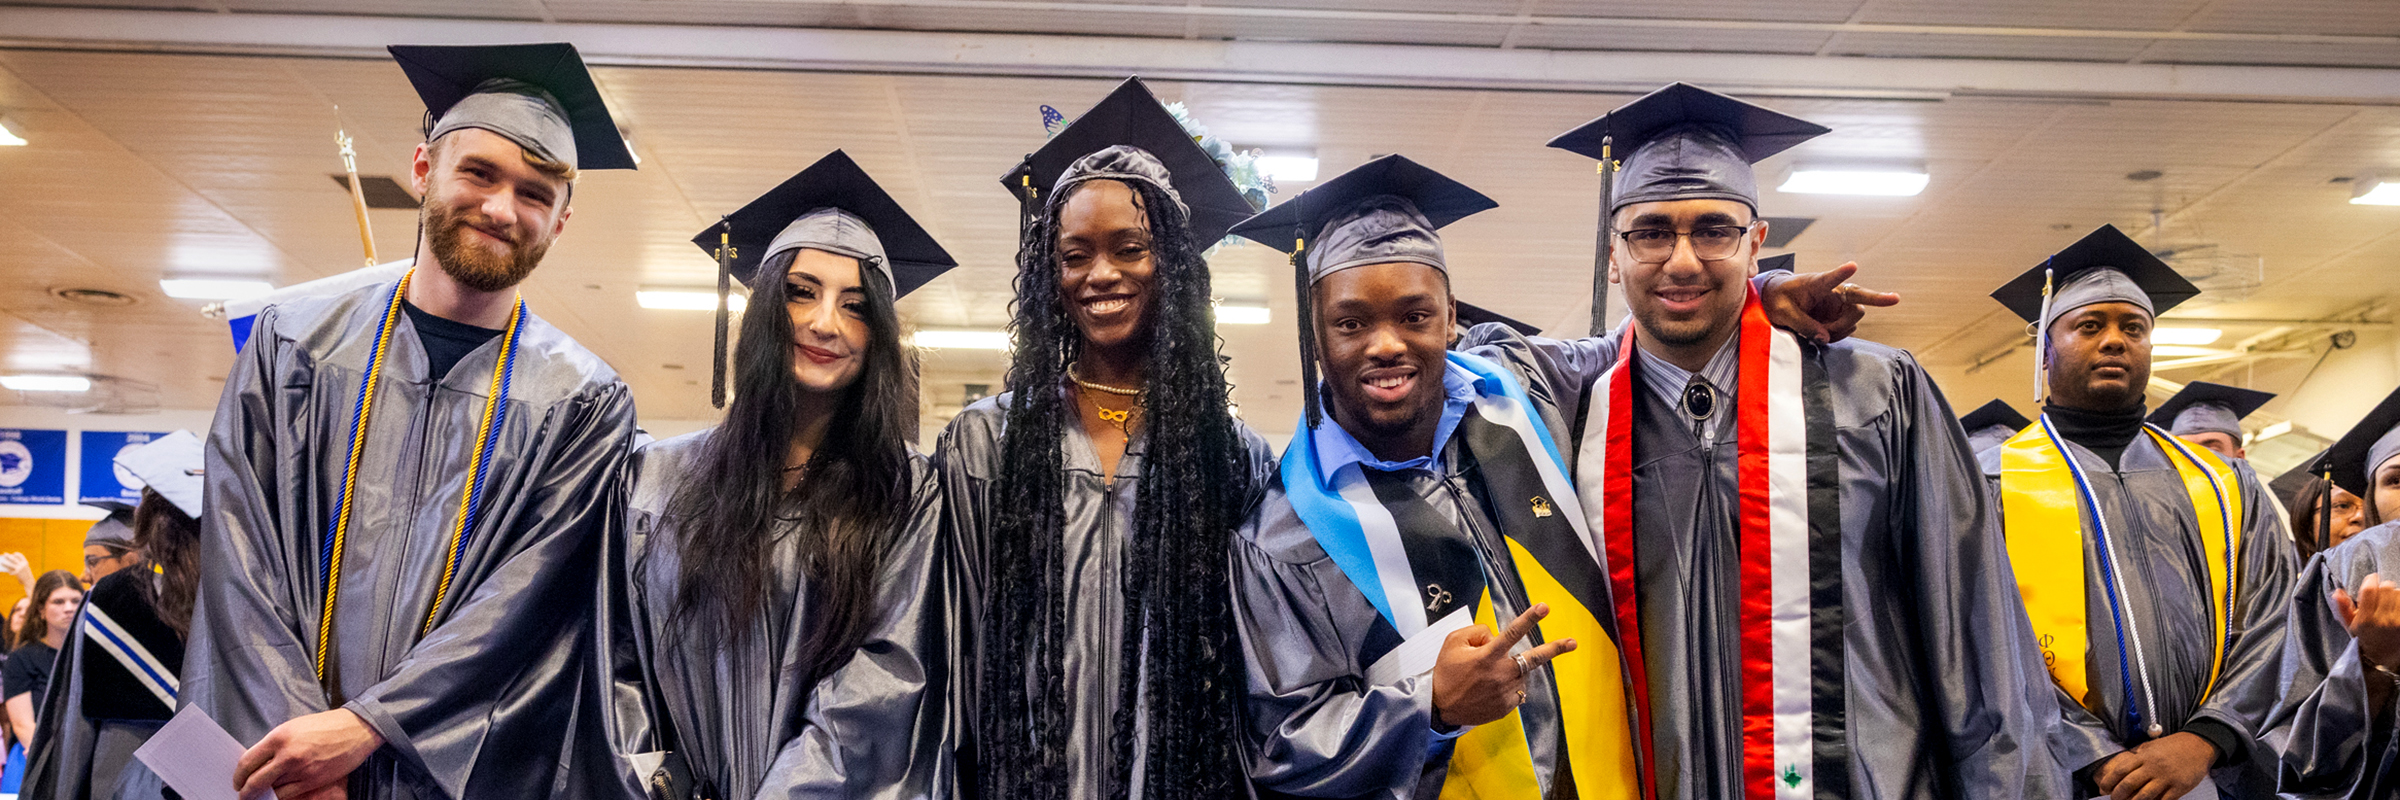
<point>1095,502</point>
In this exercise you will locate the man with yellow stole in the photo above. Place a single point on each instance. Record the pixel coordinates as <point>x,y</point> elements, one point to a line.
<point>2155,572</point>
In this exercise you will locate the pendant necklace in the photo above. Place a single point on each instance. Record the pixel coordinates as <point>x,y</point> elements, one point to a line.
<point>1123,419</point>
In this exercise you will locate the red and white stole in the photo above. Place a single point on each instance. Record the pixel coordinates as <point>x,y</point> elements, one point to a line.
<point>1793,742</point>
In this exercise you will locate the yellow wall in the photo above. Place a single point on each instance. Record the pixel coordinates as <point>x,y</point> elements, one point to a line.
<point>48,543</point>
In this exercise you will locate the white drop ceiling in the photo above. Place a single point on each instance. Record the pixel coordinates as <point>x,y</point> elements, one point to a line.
<point>151,162</point>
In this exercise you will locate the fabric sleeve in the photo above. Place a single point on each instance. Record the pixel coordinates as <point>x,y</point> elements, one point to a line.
<point>434,708</point>
<point>2251,679</point>
<point>960,460</point>
<point>2324,727</point>
<point>876,728</point>
<point>247,665</point>
<point>1991,697</point>
<point>624,718</point>
<point>1316,727</point>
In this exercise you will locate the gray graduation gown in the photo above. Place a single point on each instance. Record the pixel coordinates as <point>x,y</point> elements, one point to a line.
<point>1309,634</point>
<point>2324,728</point>
<point>1099,515</point>
<point>2166,582</point>
<point>100,712</point>
<point>873,729</point>
<point>1945,695</point>
<point>480,706</point>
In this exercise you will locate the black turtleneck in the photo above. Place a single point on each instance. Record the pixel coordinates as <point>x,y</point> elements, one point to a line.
<point>2105,433</point>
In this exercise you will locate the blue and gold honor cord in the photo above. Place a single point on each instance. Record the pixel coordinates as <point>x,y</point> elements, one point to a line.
<point>495,412</point>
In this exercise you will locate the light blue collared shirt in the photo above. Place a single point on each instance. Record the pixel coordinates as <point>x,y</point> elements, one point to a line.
<point>1336,448</point>
<point>1722,375</point>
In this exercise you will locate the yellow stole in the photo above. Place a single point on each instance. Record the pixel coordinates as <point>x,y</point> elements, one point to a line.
<point>2044,504</point>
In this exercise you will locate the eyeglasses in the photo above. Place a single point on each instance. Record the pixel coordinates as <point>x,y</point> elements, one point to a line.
<point>1712,243</point>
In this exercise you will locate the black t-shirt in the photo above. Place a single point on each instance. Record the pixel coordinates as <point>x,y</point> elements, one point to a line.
<point>445,341</point>
<point>28,670</point>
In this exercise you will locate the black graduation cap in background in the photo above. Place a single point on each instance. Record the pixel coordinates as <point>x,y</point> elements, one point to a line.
<point>1996,412</point>
<point>1471,315</point>
<point>444,75</point>
<point>835,181</point>
<point>2287,486</point>
<point>1679,142</point>
<point>1387,236</point>
<point>2369,443</point>
<point>2103,248</point>
<point>1131,115</point>
<point>908,253</point>
<point>2233,399</point>
<point>1783,262</point>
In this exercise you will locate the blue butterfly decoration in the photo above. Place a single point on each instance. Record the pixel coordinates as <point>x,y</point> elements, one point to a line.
<point>1052,121</point>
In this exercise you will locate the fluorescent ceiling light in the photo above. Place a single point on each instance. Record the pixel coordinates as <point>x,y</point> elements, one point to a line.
<point>2179,351</point>
<point>2272,431</point>
<point>2185,336</point>
<point>10,135</point>
<point>46,383</point>
<point>1242,315</point>
<point>1885,182</point>
<point>961,340</point>
<point>2373,191</point>
<point>213,288</point>
<point>686,300</point>
<point>1287,168</point>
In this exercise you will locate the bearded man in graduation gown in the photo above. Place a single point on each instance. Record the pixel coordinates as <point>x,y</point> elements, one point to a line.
<point>406,483</point>
<point>1420,558</point>
<point>2154,571</point>
<point>1811,593</point>
<point>2341,663</point>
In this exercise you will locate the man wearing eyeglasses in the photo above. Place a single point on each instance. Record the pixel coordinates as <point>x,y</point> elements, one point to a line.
<point>1808,582</point>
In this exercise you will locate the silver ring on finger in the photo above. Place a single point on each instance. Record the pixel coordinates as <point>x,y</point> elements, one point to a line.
<point>1524,670</point>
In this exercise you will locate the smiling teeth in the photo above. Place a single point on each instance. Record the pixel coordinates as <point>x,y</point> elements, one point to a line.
<point>1388,383</point>
<point>1107,306</point>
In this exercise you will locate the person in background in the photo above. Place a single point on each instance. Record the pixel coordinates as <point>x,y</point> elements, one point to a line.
<point>2350,515</point>
<point>58,595</point>
<point>16,566</point>
<point>118,681</point>
<point>13,773</point>
<point>16,620</point>
<point>2210,415</point>
<point>108,547</point>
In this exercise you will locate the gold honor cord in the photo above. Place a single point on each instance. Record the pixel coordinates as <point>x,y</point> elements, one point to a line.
<point>494,410</point>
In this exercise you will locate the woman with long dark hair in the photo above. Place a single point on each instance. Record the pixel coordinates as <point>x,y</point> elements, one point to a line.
<point>782,605</point>
<point>118,678</point>
<point>57,595</point>
<point>1093,503</point>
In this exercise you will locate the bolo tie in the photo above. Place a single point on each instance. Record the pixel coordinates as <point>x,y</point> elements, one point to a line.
<point>1699,402</point>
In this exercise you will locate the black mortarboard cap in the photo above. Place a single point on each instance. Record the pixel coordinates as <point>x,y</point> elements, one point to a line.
<point>2104,266</point>
<point>2371,442</point>
<point>1132,117</point>
<point>1783,262</point>
<point>537,95</point>
<point>2204,406</point>
<point>1994,413</point>
<point>2287,486</point>
<point>1684,142</point>
<point>1384,211</point>
<point>891,240</point>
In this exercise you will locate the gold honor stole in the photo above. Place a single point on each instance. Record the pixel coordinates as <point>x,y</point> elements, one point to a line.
<point>1794,738</point>
<point>1533,503</point>
<point>2046,497</point>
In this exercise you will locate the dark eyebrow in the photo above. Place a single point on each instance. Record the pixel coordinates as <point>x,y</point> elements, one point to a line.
<point>1653,220</point>
<point>803,276</point>
<point>1714,218</point>
<point>1355,305</point>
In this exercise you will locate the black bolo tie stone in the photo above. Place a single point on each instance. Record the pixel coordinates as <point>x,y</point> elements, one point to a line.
<point>1698,400</point>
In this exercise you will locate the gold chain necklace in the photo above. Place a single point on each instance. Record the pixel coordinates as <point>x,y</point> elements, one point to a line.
<point>1122,419</point>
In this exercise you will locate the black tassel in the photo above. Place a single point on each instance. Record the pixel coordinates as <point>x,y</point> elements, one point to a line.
<point>1028,199</point>
<point>1308,333</point>
<point>1608,238</point>
<point>2325,508</point>
<point>716,388</point>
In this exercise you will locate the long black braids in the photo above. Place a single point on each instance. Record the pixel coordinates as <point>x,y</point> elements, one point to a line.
<point>1194,486</point>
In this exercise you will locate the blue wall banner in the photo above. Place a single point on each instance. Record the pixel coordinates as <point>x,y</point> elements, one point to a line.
<point>102,480</point>
<point>33,466</point>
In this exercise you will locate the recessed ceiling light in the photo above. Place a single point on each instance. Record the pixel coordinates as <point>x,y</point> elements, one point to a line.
<point>46,383</point>
<point>2374,191</point>
<point>686,300</point>
<point>213,288</point>
<point>12,133</point>
<point>1228,314</point>
<point>92,297</point>
<point>1874,181</point>
<point>961,340</point>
